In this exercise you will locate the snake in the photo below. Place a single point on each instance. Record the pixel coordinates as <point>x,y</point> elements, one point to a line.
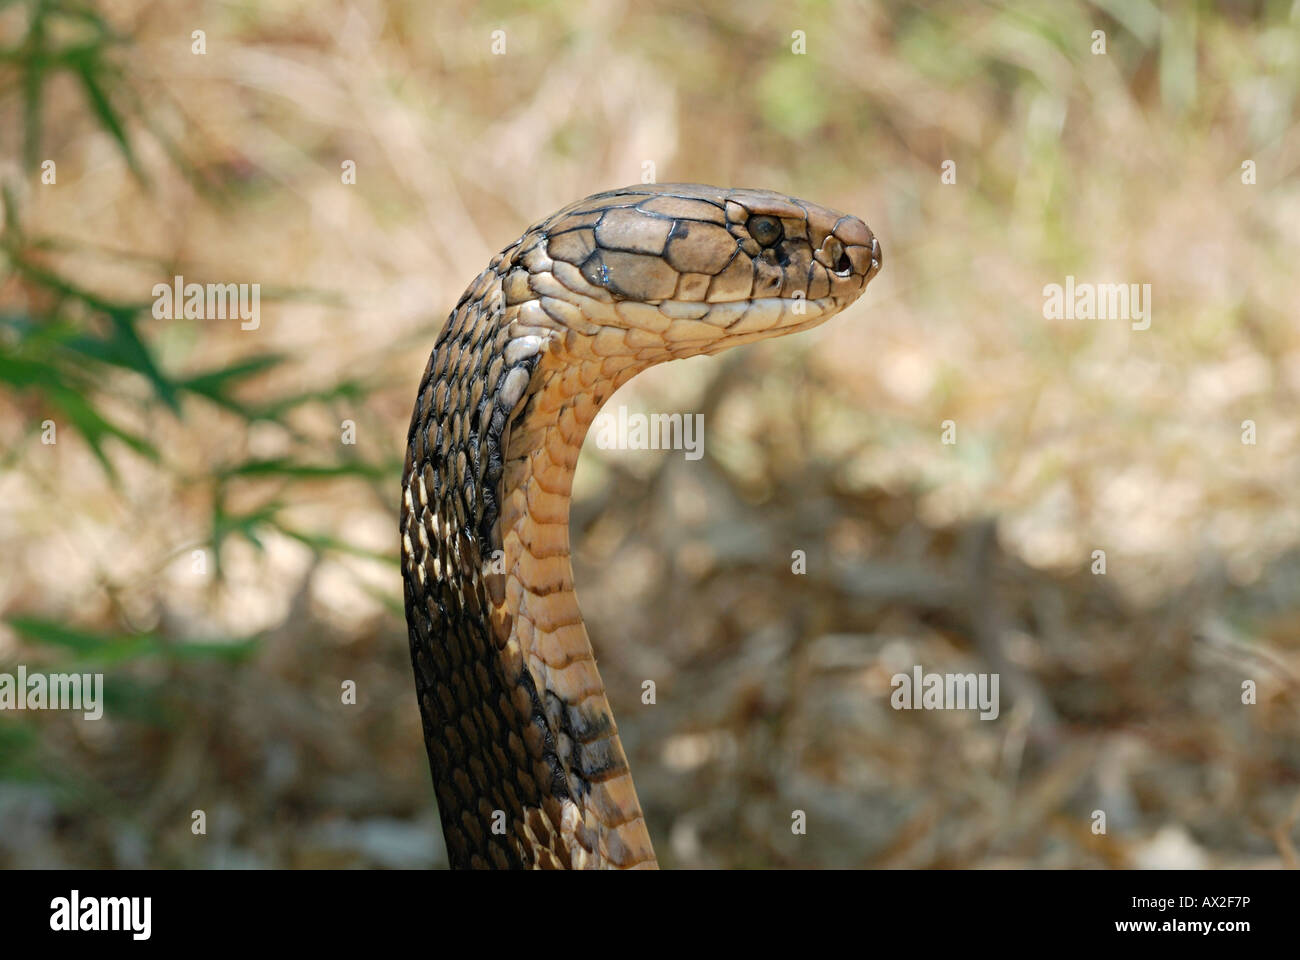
<point>527,765</point>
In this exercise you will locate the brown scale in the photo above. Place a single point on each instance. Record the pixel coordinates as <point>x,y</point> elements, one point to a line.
<point>526,760</point>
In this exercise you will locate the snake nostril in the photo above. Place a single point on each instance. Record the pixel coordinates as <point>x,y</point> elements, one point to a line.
<point>843,266</point>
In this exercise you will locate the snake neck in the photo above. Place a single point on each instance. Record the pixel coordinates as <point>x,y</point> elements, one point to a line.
<point>538,613</point>
<point>526,758</point>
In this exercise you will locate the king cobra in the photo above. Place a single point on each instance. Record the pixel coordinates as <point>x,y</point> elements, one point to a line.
<point>526,759</point>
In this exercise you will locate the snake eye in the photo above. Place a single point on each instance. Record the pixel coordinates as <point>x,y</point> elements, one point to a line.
<point>765,230</point>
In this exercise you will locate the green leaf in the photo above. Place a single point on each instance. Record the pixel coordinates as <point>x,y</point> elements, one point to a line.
<point>21,372</point>
<point>33,90</point>
<point>87,69</point>
<point>350,390</point>
<point>105,649</point>
<point>245,525</point>
<point>125,349</point>
<point>284,467</point>
<point>96,429</point>
<point>216,384</point>
<point>56,634</point>
<point>324,542</point>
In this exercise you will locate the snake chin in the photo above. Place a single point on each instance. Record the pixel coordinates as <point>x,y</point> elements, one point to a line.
<point>813,314</point>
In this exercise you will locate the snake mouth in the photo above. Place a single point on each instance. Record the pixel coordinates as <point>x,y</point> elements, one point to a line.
<point>745,321</point>
<point>765,319</point>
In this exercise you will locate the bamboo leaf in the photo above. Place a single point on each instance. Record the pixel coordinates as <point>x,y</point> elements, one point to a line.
<point>284,467</point>
<point>105,649</point>
<point>87,69</point>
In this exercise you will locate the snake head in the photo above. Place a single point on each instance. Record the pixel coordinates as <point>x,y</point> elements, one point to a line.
<point>797,248</point>
<point>691,268</point>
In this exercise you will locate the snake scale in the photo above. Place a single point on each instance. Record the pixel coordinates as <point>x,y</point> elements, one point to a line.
<point>526,760</point>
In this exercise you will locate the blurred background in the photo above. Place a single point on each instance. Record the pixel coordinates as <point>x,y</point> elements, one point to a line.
<point>202,533</point>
